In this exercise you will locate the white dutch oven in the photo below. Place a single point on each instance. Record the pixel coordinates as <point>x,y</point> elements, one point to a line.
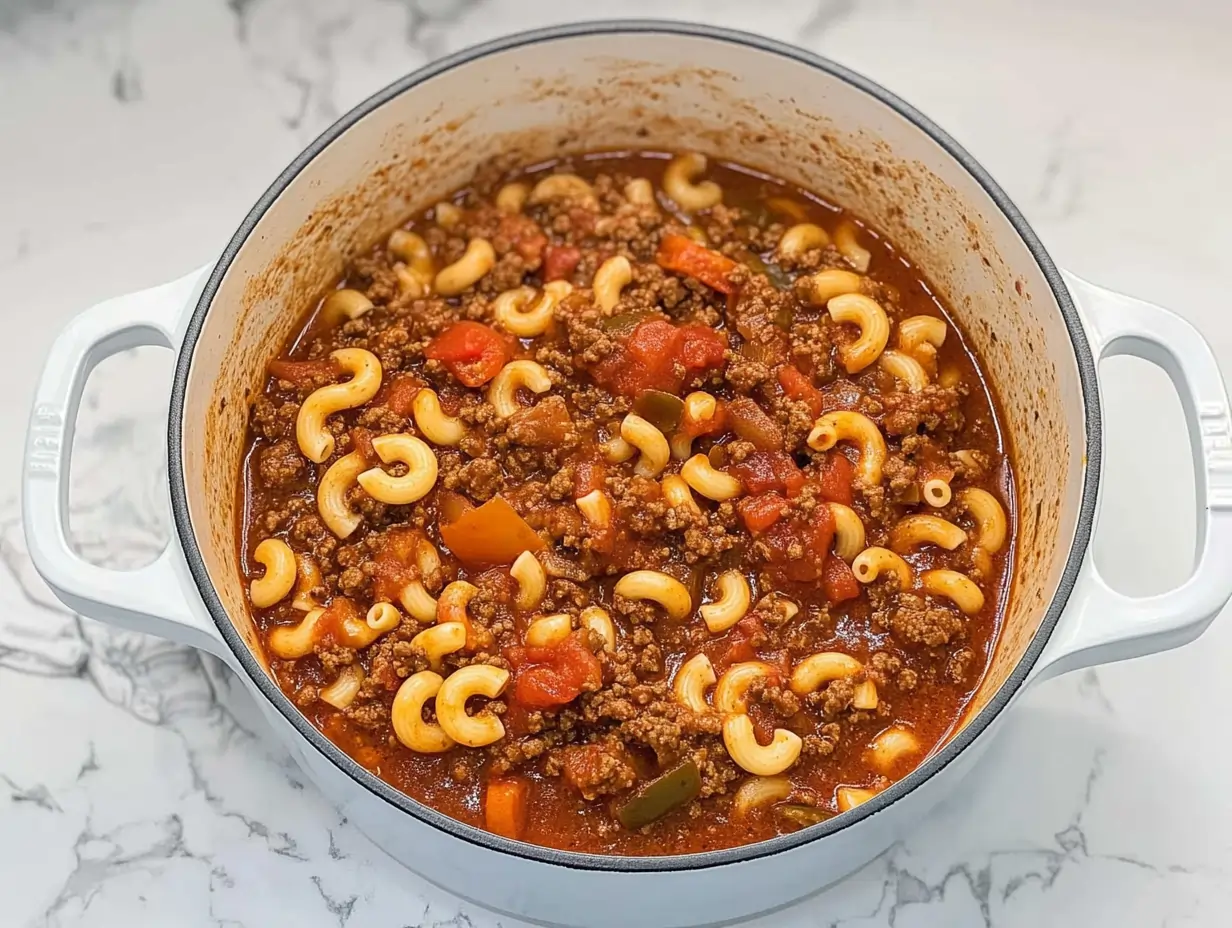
<point>611,85</point>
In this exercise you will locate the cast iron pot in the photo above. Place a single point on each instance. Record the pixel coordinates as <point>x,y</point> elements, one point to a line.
<point>1040,333</point>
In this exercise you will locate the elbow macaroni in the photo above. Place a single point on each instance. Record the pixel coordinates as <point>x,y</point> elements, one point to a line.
<point>503,390</point>
<point>848,531</point>
<point>406,715</point>
<point>511,312</point>
<point>616,450</point>
<point>848,797</point>
<point>647,439</point>
<point>596,508</point>
<point>439,640</point>
<point>694,677</point>
<point>613,276</point>
<point>472,731</point>
<point>957,588</point>
<point>989,516</point>
<point>678,183</point>
<point>414,485</point>
<point>759,760</point>
<point>293,642</point>
<point>710,483</point>
<point>871,563</point>
<point>640,192</point>
<point>937,492</point>
<point>867,314</point>
<point>921,336</point>
<point>308,579</point>
<point>904,367</point>
<point>344,304</point>
<point>332,504</point>
<point>729,694</point>
<point>860,430</point>
<point>892,745</point>
<point>597,620</point>
<point>512,197</point>
<point>699,407</point>
<point>383,617</point>
<point>800,238</point>
<point>548,630</point>
<point>562,187</point>
<point>342,692</point>
<point>531,578</point>
<point>915,530</point>
<point>276,556</point>
<point>438,428</point>
<point>826,285</point>
<point>657,587</point>
<point>468,270</point>
<point>447,215</point>
<point>850,248</point>
<point>817,670</point>
<point>678,495</point>
<point>418,602</point>
<point>734,598</point>
<point>314,439</point>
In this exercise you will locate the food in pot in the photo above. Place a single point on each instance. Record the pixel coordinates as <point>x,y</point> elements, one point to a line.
<point>633,504</point>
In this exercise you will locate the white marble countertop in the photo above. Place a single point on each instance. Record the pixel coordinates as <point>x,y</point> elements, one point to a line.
<point>136,784</point>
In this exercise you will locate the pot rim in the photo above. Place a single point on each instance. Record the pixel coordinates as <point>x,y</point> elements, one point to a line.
<point>606,862</point>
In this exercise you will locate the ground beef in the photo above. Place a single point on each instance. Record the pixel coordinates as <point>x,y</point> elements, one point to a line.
<point>596,770</point>
<point>915,621</point>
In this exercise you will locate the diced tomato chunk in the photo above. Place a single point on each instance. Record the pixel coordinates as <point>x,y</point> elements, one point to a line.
<point>658,355</point>
<point>397,393</point>
<point>681,254</point>
<point>560,261</point>
<point>505,807</point>
<point>767,471</point>
<point>394,565</point>
<point>742,643</point>
<point>545,678</point>
<point>837,476</point>
<point>588,474</point>
<point>837,580</point>
<point>471,351</point>
<point>799,387</point>
<point>814,534</point>
<point>524,234</point>
<point>761,512</point>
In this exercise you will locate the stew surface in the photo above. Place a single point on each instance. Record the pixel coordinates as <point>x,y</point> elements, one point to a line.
<point>629,504</point>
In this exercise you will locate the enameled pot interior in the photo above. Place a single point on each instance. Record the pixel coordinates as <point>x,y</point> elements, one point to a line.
<point>648,87</point>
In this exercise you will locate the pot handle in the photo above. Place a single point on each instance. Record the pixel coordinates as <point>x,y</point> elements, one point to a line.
<point>151,598</point>
<point>1101,625</point>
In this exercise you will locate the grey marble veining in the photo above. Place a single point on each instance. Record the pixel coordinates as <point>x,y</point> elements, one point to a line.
<point>137,786</point>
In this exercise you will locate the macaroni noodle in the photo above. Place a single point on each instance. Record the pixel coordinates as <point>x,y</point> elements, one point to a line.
<point>710,483</point>
<point>468,270</point>
<point>921,336</point>
<point>848,531</point>
<point>678,183</point>
<point>734,597</point>
<point>658,587</point>
<point>848,797</point>
<point>383,617</point>
<point>440,640</point>
<point>757,792</point>
<point>342,692</point>
<point>314,439</point>
<point>865,696</point>
<point>438,428</point>
<point>548,630</point>
<point>850,248</point>
<point>473,680</point>
<point>418,602</point>
<point>817,670</point>
<point>640,192</point>
<point>915,530</point>
<point>802,237</point>
<point>532,581</point>
<point>611,277</point>
<point>344,304</point>
<point>415,484</point>
<point>729,695</point>
<point>989,516</point>
<point>937,492</point>
<point>678,495</point>
<point>649,441</point>
<point>406,715</point>
<point>763,761</point>
<point>308,579</point>
<point>596,508</point>
<point>892,745</point>
<point>332,504</point>
<point>694,677</point>
<point>512,197</point>
<point>561,187</point>
<point>957,588</point>
<point>871,563</point>
<point>511,313</point>
<point>826,285</point>
<point>905,368</point>
<point>447,215</point>
<point>857,428</point>
<point>867,314</point>
<point>598,621</point>
<point>276,556</point>
<point>503,390</point>
<point>291,642</point>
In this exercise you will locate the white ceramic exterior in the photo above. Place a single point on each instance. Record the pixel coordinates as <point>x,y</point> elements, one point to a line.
<point>594,86</point>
